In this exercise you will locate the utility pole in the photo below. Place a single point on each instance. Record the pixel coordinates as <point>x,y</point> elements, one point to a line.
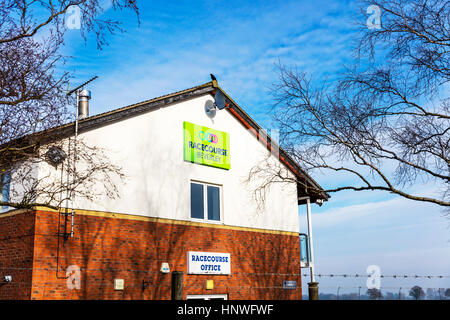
<point>71,194</point>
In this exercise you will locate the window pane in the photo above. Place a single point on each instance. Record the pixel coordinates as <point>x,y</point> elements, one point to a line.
<point>303,248</point>
<point>213,203</point>
<point>6,180</point>
<point>197,208</point>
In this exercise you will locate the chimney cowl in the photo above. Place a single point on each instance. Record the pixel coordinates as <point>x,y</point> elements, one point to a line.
<point>84,94</point>
<point>83,103</point>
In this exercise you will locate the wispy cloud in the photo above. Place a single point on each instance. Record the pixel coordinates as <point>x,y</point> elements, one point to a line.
<point>178,46</point>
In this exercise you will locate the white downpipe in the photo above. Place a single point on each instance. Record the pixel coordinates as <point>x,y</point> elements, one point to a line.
<point>310,237</point>
<point>74,161</point>
<point>311,246</point>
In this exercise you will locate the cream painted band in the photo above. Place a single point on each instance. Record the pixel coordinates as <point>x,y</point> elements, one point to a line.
<point>152,219</point>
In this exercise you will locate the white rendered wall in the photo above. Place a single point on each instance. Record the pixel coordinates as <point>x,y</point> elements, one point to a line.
<point>23,178</point>
<point>149,148</point>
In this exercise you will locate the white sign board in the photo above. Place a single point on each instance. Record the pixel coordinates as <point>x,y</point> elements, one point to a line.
<point>208,263</point>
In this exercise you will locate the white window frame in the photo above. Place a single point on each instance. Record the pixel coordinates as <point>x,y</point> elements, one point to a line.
<point>206,296</point>
<point>205,202</point>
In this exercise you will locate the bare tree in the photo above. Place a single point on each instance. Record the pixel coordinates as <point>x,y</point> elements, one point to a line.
<point>416,292</point>
<point>33,103</point>
<point>386,120</point>
<point>374,294</point>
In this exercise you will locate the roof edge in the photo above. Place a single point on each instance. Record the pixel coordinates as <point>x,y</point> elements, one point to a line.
<point>316,192</point>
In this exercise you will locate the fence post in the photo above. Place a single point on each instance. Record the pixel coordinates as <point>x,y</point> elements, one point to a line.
<point>313,290</point>
<point>177,285</point>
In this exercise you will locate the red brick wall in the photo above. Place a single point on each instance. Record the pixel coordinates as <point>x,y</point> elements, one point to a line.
<point>16,254</point>
<point>107,248</point>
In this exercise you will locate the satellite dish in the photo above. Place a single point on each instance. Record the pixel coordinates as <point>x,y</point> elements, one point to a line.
<point>219,100</point>
<point>55,155</point>
<point>210,108</point>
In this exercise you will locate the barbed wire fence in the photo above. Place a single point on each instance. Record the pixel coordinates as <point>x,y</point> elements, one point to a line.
<point>381,276</point>
<point>339,291</point>
<point>395,293</point>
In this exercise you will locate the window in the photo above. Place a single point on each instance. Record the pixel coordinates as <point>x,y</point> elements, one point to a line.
<point>205,201</point>
<point>5,184</point>
<point>197,202</point>
<point>207,297</point>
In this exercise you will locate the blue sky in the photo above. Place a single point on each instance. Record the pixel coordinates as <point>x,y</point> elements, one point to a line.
<point>178,44</point>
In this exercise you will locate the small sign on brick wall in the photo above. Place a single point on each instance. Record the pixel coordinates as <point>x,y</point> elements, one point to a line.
<point>119,284</point>
<point>289,284</point>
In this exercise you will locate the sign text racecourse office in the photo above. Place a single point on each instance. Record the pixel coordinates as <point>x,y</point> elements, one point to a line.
<point>208,263</point>
<point>206,146</point>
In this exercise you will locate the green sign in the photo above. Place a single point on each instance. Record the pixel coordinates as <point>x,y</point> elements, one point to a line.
<point>206,146</point>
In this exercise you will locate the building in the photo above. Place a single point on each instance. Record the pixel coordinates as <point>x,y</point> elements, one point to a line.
<point>184,206</point>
